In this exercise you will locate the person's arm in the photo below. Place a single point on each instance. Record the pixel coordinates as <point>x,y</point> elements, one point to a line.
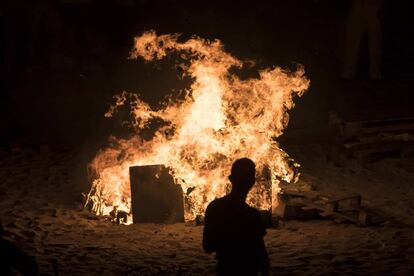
<point>209,233</point>
<point>262,252</point>
<point>264,259</point>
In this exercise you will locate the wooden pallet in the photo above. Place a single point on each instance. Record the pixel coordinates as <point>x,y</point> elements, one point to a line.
<point>369,140</point>
<point>305,205</point>
<point>347,208</point>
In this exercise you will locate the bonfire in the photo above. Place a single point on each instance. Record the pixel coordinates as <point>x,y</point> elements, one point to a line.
<point>220,118</point>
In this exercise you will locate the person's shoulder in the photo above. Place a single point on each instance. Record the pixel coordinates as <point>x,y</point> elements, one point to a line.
<point>217,205</point>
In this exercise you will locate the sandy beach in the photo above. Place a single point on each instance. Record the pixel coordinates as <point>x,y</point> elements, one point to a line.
<point>41,210</point>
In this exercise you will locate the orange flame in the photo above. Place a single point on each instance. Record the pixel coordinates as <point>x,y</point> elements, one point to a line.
<point>220,119</point>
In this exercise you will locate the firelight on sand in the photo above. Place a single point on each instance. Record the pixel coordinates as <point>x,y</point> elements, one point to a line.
<point>220,118</point>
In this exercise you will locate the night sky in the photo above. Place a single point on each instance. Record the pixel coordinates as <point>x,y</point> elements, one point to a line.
<point>63,60</point>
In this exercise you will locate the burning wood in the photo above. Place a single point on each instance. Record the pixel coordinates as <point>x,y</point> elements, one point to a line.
<point>221,118</point>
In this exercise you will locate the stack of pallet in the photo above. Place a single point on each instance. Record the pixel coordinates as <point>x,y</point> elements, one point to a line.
<point>373,135</point>
<point>343,209</point>
<point>311,205</point>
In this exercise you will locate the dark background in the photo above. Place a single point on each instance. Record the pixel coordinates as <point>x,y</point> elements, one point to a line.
<point>61,61</point>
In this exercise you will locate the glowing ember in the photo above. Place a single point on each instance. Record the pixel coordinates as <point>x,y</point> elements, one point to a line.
<point>220,119</point>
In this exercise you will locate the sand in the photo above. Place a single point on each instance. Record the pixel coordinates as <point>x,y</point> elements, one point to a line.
<point>41,211</point>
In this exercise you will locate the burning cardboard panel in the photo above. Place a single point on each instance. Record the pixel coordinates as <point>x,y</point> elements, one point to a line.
<point>154,195</point>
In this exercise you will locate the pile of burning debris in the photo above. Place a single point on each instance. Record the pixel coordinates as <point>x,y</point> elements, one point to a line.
<point>157,199</point>
<point>219,118</point>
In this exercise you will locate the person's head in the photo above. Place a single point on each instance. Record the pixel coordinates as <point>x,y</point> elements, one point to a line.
<point>242,175</point>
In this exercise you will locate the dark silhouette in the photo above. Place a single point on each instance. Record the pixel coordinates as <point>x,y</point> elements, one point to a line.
<point>234,230</point>
<point>45,32</point>
<point>365,18</point>
<point>12,259</point>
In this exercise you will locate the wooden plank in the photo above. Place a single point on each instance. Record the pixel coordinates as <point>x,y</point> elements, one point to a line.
<point>331,210</point>
<point>346,197</point>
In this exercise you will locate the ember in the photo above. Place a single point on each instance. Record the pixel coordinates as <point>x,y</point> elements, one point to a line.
<point>220,119</point>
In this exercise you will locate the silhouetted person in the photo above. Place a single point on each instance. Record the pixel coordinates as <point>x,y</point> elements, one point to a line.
<point>12,259</point>
<point>234,230</point>
<point>364,19</point>
<point>45,32</point>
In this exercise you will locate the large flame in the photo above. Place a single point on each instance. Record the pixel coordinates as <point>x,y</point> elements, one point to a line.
<point>220,119</point>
